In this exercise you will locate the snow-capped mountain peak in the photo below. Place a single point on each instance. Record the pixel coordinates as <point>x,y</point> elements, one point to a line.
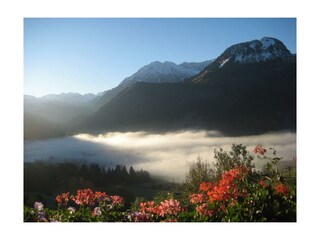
<point>267,42</point>
<point>162,72</point>
<point>254,51</point>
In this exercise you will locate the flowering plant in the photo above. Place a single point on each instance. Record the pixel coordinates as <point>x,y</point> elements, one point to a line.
<point>243,194</point>
<point>237,192</point>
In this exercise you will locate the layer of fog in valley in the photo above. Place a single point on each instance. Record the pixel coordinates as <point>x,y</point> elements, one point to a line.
<point>166,155</point>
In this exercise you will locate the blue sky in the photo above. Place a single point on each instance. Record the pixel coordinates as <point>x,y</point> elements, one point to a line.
<point>94,55</point>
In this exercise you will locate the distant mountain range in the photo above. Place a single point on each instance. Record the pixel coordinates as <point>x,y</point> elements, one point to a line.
<point>250,88</point>
<point>54,114</point>
<point>59,108</point>
<point>166,72</point>
<point>155,72</point>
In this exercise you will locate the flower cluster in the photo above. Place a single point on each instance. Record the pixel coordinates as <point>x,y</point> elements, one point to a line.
<point>38,206</point>
<point>239,194</point>
<point>147,207</point>
<point>139,217</point>
<point>168,208</point>
<point>100,196</point>
<point>96,211</point>
<point>63,199</point>
<point>204,211</point>
<point>201,200</point>
<point>198,198</point>
<point>41,216</point>
<point>260,150</point>
<point>226,189</point>
<point>88,197</point>
<point>281,188</point>
<point>224,192</point>
<point>117,200</point>
<point>207,186</point>
<point>263,183</point>
<point>84,197</point>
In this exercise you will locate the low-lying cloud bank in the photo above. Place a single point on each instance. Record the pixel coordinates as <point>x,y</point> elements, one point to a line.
<point>168,155</point>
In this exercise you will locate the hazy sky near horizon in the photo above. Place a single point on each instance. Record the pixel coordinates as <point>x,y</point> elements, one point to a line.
<point>95,54</point>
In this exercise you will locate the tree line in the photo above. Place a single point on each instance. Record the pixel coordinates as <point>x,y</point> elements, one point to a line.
<point>48,177</point>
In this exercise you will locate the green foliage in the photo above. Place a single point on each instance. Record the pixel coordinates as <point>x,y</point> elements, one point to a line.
<point>202,171</point>
<point>42,180</point>
<point>225,161</point>
<point>199,172</point>
<point>135,206</point>
<point>269,195</point>
<point>29,214</point>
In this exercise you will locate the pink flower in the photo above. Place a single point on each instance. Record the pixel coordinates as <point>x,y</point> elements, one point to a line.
<point>143,207</point>
<point>167,207</point>
<point>84,197</point>
<point>161,211</point>
<point>170,206</point>
<point>260,150</point>
<point>197,198</point>
<point>150,206</point>
<point>38,206</point>
<point>202,210</point>
<point>96,211</point>
<point>117,200</point>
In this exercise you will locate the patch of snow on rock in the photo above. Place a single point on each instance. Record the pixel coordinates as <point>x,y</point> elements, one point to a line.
<point>224,62</point>
<point>267,42</point>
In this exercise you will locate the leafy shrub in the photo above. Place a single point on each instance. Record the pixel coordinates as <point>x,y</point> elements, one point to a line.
<point>239,156</point>
<point>199,171</point>
<point>242,194</point>
<point>202,171</point>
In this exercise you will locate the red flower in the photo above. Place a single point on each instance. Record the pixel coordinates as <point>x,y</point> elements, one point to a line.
<point>197,198</point>
<point>260,150</point>
<point>63,198</point>
<point>206,186</point>
<point>263,184</point>
<point>281,188</point>
<point>84,197</point>
<point>226,189</point>
<point>202,210</point>
<point>167,207</point>
<point>170,206</point>
<point>100,196</point>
